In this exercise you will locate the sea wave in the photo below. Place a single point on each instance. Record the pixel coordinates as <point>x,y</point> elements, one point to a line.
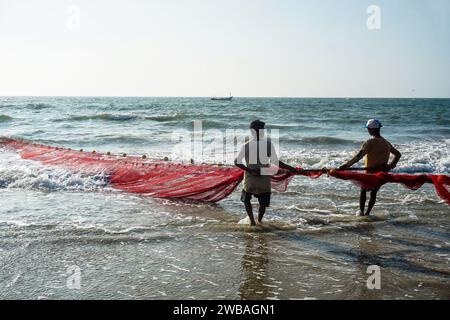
<point>119,139</point>
<point>431,131</point>
<point>123,117</point>
<point>417,157</point>
<point>292,127</point>
<point>37,106</point>
<point>5,118</point>
<point>212,124</point>
<point>443,122</point>
<point>324,140</point>
<point>103,116</point>
<point>166,117</point>
<point>24,174</point>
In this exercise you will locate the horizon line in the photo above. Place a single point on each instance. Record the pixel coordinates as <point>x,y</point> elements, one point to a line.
<point>234,97</point>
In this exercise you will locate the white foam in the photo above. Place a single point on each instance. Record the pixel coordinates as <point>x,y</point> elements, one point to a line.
<point>245,221</point>
<point>424,156</point>
<point>24,174</point>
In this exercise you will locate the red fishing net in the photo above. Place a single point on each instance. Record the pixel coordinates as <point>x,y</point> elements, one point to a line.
<point>204,182</point>
<point>159,179</point>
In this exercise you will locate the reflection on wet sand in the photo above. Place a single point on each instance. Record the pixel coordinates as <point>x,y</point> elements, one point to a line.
<point>365,252</point>
<point>255,283</point>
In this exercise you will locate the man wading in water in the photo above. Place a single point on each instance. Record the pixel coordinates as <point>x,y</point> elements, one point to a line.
<point>258,153</point>
<point>377,151</point>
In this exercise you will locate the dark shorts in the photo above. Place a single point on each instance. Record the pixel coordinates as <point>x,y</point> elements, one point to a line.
<point>368,190</point>
<point>263,198</point>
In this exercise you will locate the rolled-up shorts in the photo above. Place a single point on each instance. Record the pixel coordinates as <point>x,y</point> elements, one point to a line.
<point>263,198</point>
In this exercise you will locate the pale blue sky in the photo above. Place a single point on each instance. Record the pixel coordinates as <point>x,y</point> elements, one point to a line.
<point>319,48</point>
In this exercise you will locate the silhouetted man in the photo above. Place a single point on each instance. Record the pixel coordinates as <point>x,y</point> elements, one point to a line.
<point>377,151</point>
<point>259,153</point>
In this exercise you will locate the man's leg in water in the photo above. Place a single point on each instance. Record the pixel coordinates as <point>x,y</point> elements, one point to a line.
<point>362,201</point>
<point>261,212</point>
<point>249,209</point>
<point>373,199</point>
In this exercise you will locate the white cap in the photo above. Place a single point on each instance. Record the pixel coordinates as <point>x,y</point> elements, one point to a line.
<point>373,124</point>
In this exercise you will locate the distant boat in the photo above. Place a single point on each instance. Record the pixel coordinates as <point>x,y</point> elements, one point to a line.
<point>223,98</point>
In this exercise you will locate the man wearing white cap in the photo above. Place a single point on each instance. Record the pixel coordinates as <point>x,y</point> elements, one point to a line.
<point>377,151</point>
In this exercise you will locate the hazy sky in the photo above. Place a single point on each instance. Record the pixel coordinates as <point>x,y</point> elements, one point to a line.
<point>320,48</point>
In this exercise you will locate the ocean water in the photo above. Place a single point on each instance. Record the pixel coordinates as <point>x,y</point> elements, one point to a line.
<point>124,246</point>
